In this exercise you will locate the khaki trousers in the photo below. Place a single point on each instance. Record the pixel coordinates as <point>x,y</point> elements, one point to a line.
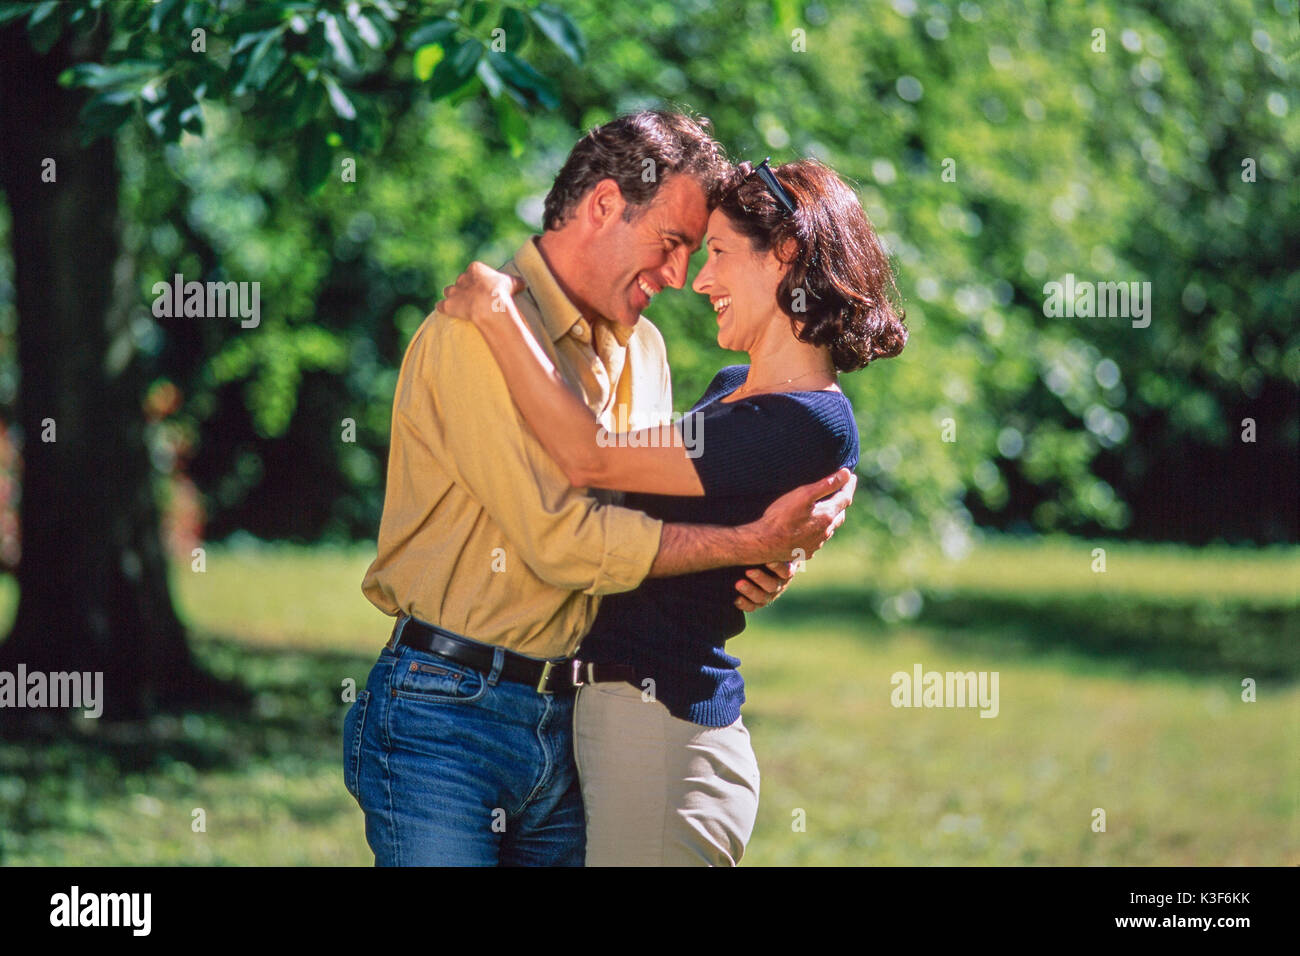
<point>660,791</point>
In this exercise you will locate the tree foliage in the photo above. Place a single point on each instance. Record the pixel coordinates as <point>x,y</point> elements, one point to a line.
<point>995,147</point>
<point>323,74</point>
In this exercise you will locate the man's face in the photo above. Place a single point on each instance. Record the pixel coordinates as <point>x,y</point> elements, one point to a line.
<point>634,260</point>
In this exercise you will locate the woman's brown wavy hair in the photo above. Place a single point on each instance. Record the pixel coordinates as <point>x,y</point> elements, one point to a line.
<point>848,291</point>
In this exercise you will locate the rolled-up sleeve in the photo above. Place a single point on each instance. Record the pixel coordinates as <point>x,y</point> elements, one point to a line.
<point>567,538</point>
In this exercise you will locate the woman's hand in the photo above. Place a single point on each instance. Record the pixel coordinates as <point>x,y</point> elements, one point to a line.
<point>479,294</point>
<point>759,588</point>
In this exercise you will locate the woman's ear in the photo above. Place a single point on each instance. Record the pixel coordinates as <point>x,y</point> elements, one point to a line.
<point>787,249</point>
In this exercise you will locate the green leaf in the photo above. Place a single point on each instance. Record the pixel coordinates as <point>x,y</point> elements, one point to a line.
<point>249,39</point>
<point>366,32</point>
<point>338,99</point>
<point>785,14</point>
<point>528,87</point>
<point>45,26</point>
<point>262,62</point>
<point>342,39</point>
<point>374,30</point>
<point>425,59</point>
<point>458,66</point>
<point>314,159</point>
<point>189,115</point>
<point>122,96</point>
<point>258,17</point>
<point>164,121</point>
<point>104,114</point>
<point>477,11</point>
<point>100,76</point>
<point>10,12</point>
<point>491,80</point>
<point>195,15</point>
<point>304,103</point>
<point>515,23</point>
<point>513,126</point>
<point>161,11</point>
<point>557,27</point>
<point>191,119</point>
<point>364,133</point>
<point>435,31</point>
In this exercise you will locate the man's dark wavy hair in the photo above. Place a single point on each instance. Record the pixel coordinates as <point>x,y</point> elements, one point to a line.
<point>626,149</point>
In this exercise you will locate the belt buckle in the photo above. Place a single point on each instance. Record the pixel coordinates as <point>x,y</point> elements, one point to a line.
<point>575,675</point>
<point>583,674</point>
<point>547,667</point>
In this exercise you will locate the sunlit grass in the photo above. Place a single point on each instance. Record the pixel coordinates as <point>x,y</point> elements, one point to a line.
<point>1186,772</point>
<point>1047,566</point>
<point>284,596</point>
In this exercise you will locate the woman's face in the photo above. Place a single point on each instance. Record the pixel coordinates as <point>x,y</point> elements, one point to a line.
<point>741,285</point>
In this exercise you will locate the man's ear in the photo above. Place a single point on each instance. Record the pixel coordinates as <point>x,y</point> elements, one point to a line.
<point>603,203</point>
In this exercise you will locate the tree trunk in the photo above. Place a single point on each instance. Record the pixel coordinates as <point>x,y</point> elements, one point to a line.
<point>93,584</point>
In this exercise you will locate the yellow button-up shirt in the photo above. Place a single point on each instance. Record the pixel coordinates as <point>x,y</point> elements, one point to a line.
<point>482,533</point>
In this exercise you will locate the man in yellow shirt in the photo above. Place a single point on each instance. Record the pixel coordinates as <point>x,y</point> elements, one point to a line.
<point>459,750</point>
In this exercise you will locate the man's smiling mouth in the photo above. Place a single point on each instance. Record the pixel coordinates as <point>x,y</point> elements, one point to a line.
<point>646,287</point>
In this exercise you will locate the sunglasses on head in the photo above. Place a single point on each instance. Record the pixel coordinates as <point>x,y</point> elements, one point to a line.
<point>774,186</point>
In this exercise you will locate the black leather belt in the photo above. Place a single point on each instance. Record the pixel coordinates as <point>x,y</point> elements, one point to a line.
<point>546,677</point>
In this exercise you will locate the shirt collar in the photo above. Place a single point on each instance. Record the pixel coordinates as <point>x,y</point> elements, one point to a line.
<point>559,314</point>
<point>621,332</point>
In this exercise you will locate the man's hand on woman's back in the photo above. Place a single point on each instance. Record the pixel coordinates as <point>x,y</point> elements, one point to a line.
<point>798,523</point>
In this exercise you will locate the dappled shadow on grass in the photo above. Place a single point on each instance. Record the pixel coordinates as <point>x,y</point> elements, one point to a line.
<point>52,773</point>
<point>1242,639</point>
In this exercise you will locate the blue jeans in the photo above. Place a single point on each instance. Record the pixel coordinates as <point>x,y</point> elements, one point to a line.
<point>455,768</point>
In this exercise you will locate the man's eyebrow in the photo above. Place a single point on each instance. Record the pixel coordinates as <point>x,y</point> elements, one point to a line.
<point>682,238</point>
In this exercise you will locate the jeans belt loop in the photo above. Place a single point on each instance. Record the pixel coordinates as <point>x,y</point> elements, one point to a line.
<point>396,638</point>
<point>498,662</point>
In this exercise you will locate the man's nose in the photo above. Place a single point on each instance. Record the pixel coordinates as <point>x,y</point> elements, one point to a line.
<point>675,271</point>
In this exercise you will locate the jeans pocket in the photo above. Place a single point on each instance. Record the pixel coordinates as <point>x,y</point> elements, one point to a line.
<point>422,676</point>
<point>354,725</point>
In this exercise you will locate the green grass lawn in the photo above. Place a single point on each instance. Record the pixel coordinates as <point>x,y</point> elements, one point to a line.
<point>1119,691</point>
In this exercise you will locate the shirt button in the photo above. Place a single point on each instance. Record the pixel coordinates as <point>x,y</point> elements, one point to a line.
<point>581,331</point>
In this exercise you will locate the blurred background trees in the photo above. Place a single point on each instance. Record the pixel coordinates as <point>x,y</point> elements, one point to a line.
<point>100,369</point>
<point>995,146</point>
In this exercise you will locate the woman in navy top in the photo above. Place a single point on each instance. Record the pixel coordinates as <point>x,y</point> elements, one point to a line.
<point>797,279</point>
<point>673,631</point>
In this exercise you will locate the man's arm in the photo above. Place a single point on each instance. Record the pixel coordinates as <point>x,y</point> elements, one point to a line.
<point>564,536</point>
<point>654,460</point>
<point>460,406</point>
<point>794,526</point>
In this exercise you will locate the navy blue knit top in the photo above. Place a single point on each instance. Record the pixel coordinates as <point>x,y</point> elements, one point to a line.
<point>674,630</point>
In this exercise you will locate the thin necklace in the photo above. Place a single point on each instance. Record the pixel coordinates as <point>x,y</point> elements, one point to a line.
<point>744,388</point>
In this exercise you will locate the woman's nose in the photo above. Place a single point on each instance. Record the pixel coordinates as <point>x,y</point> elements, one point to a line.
<point>702,280</point>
